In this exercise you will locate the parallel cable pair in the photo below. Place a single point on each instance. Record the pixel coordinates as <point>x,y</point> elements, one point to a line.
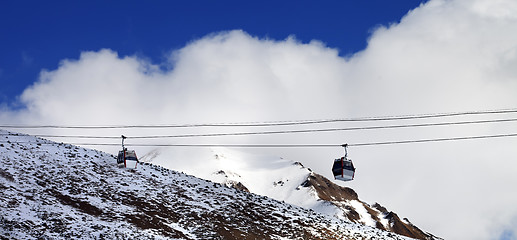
<point>289,145</point>
<point>273,123</point>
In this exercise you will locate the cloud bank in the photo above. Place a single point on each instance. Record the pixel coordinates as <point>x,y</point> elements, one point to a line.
<point>444,56</point>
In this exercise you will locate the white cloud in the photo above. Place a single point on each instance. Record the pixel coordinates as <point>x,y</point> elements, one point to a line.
<point>443,56</point>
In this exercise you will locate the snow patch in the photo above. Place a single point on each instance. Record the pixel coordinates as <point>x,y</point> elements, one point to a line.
<point>365,217</point>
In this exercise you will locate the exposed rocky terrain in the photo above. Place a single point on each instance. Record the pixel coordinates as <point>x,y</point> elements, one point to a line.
<point>60,191</point>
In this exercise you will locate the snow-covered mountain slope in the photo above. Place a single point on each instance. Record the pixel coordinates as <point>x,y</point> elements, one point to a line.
<point>287,181</point>
<point>59,191</point>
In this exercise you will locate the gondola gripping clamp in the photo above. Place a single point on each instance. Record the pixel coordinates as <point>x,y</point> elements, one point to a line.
<point>345,146</point>
<point>123,137</point>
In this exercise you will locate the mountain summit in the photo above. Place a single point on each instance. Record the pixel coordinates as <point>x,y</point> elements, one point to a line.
<point>60,191</point>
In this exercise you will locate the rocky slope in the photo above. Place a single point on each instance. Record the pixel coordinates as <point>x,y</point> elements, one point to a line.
<point>290,182</point>
<point>59,191</point>
<point>357,211</point>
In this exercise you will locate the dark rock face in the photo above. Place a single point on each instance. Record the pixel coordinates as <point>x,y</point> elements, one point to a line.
<point>329,191</point>
<point>403,227</point>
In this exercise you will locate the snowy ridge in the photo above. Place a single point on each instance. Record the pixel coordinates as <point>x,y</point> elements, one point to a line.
<point>286,181</point>
<point>59,191</point>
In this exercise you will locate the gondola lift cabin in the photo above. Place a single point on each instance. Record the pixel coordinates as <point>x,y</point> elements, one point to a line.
<point>343,168</point>
<point>127,158</point>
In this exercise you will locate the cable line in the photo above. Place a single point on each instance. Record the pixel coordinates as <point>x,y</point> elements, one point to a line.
<point>274,123</point>
<point>286,131</point>
<point>325,130</point>
<point>433,140</point>
<point>289,145</point>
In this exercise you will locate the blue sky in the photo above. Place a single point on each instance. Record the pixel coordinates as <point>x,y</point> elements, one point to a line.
<point>36,35</point>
